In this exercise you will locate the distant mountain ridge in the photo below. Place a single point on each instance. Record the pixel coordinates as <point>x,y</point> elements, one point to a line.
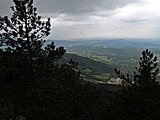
<point>127,42</point>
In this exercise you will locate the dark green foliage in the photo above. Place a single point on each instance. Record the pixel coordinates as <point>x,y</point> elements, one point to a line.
<point>33,82</point>
<point>146,72</point>
<point>22,38</point>
<point>25,28</point>
<point>141,99</point>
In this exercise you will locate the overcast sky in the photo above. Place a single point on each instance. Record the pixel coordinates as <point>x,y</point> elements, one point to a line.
<point>74,19</point>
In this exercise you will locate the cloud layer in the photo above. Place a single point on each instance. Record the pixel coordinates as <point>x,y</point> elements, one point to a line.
<point>73,19</point>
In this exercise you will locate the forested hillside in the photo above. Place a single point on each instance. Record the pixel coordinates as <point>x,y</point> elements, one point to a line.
<point>92,69</point>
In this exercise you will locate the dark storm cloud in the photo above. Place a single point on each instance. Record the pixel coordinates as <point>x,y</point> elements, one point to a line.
<point>97,18</point>
<point>78,6</point>
<point>67,6</point>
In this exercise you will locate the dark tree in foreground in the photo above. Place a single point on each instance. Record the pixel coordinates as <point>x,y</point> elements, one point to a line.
<point>146,72</point>
<point>22,36</point>
<point>140,100</point>
<point>33,83</point>
<point>25,28</point>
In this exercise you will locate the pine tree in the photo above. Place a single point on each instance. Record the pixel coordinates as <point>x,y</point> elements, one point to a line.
<point>146,72</point>
<point>23,36</point>
<point>25,28</point>
<point>58,92</point>
<point>141,100</point>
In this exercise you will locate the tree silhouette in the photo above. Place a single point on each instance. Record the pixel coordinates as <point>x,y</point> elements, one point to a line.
<point>31,77</point>
<point>146,72</point>
<point>23,35</point>
<point>141,99</point>
<point>25,28</point>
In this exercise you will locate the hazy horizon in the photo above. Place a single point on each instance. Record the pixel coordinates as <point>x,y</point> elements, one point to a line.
<point>103,39</point>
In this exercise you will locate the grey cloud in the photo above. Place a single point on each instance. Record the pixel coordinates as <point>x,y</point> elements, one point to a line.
<point>5,7</point>
<point>78,6</point>
<point>92,18</point>
<point>55,7</point>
